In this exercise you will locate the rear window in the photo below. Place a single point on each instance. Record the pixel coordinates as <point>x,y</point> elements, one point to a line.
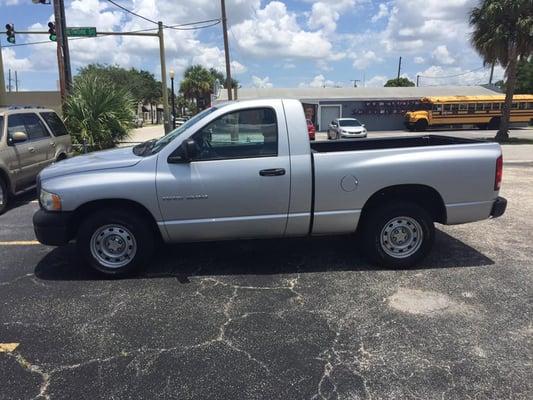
<point>54,123</point>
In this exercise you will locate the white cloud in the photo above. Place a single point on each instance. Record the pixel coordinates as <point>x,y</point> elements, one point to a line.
<point>413,25</point>
<point>442,56</point>
<point>325,13</point>
<point>9,2</point>
<point>419,60</point>
<point>12,62</point>
<point>261,82</point>
<point>274,32</point>
<point>365,59</point>
<point>320,81</point>
<point>376,81</point>
<point>382,13</point>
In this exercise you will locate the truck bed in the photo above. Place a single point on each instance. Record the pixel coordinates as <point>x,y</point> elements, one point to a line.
<point>388,143</point>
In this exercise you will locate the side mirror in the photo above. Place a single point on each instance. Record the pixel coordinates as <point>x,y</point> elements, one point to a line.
<point>363,125</point>
<point>18,137</point>
<point>185,153</point>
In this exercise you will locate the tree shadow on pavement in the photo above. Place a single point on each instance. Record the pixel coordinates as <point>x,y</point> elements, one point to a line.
<point>258,257</point>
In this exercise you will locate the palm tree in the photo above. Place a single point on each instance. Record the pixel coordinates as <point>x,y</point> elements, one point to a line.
<point>97,112</point>
<point>197,84</point>
<point>503,33</point>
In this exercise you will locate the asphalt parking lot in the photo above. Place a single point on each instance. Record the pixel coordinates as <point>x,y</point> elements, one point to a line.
<point>276,319</point>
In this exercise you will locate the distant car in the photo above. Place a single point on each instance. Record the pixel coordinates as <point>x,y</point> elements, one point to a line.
<point>346,128</point>
<point>311,130</point>
<point>30,140</point>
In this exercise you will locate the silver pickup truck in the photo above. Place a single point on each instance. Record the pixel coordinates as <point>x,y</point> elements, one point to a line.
<point>247,170</point>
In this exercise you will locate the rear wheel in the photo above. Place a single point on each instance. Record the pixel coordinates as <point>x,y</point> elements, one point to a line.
<point>115,242</point>
<point>397,235</point>
<point>494,123</point>
<point>4,196</point>
<point>421,125</point>
<point>482,126</point>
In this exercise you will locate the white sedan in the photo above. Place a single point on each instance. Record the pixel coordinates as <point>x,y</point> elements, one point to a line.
<point>346,128</point>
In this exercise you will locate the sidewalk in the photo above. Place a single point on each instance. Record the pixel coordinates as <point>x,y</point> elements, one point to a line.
<point>146,133</point>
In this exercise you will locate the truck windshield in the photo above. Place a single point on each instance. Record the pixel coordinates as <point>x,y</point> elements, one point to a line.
<point>157,145</point>
<point>349,122</point>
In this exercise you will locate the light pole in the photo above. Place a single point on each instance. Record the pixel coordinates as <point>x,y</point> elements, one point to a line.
<point>172,74</point>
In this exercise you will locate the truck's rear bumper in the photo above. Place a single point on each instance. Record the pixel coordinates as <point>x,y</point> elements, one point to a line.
<point>499,207</point>
<point>52,228</point>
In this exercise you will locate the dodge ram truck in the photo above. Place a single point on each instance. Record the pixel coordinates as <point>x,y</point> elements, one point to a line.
<point>247,170</point>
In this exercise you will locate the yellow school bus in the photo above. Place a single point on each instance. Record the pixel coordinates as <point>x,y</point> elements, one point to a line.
<point>481,111</point>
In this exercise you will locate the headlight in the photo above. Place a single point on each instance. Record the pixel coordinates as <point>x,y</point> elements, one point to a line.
<point>50,201</point>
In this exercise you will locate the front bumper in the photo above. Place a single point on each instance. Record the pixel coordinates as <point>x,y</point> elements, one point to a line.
<point>353,135</point>
<point>52,228</point>
<point>498,208</point>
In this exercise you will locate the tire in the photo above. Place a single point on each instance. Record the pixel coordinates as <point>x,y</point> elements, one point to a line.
<point>4,196</point>
<point>494,123</point>
<point>115,242</point>
<point>410,225</point>
<point>421,125</point>
<point>61,157</point>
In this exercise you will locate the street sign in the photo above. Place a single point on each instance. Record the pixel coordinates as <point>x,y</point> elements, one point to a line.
<point>81,31</point>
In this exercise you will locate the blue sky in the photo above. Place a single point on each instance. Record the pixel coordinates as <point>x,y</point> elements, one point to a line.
<point>285,43</point>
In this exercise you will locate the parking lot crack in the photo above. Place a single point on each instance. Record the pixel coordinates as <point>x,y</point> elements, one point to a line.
<point>35,369</point>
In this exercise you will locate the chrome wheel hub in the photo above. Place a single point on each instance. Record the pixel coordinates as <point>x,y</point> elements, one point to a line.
<point>113,246</point>
<point>401,237</point>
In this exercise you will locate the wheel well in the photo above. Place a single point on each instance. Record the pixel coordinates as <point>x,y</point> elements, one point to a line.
<point>124,205</point>
<point>5,177</point>
<point>61,157</point>
<point>423,195</point>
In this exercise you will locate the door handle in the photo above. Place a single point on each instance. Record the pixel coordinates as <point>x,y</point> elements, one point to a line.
<point>53,144</point>
<point>272,172</point>
<point>31,149</point>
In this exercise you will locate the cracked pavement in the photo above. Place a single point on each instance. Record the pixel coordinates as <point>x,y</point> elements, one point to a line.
<point>275,319</point>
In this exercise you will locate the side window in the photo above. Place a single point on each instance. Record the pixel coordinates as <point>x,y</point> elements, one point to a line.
<point>54,123</point>
<point>15,123</point>
<point>514,106</point>
<point>34,127</point>
<point>241,134</point>
<point>471,107</point>
<point>530,105</point>
<point>463,107</point>
<point>447,108</point>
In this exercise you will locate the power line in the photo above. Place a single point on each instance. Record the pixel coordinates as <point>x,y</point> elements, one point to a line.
<point>215,21</point>
<point>451,76</point>
<point>132,12</point>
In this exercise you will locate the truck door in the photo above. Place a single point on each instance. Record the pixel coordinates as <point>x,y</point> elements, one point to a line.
<point>238,184</point>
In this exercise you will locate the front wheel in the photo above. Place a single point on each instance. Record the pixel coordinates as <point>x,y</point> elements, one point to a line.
<point>4,195</point>
<point>397,235</point>
<point>115,242</point>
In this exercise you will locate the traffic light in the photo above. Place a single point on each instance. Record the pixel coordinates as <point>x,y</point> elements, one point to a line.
<point>52,31</point>
<point>10,32</point>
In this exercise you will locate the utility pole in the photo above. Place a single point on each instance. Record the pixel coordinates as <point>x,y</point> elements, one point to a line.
<point>355,82</point>
<point>2,79</point>
<point>417,80</point>
<point>9,80</point>
<point>16,82</point>
<point>63,55</point>
<point>399,68</point>
<point>166,114</point>
<point>226,49</point>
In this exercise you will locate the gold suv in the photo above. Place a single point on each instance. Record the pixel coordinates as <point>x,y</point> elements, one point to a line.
<point>30,139</point>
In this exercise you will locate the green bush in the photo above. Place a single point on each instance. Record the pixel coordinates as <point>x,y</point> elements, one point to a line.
<point>98,112</point>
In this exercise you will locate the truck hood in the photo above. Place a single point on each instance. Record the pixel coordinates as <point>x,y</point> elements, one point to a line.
<point>107,159</point>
